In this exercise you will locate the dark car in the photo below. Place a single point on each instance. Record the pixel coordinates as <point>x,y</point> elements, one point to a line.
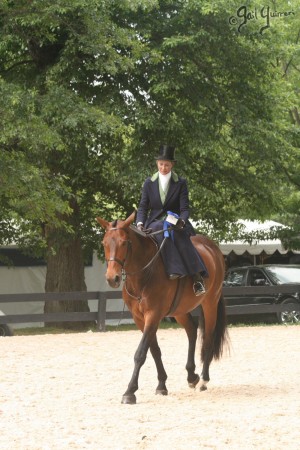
<point>5,330</point>
<point>265,275</point>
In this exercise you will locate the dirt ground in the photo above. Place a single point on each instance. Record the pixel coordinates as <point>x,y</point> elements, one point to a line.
<point>61,392</point>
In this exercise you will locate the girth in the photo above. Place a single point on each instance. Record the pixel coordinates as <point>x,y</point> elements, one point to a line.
<point>177,297</point>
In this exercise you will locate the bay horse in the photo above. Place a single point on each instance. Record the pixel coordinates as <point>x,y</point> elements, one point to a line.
<point>151,296</point>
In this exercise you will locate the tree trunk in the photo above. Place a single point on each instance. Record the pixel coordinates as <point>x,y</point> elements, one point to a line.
<point>65,273</point>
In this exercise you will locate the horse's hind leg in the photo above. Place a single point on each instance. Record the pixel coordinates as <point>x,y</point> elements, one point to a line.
<point>191,330</point>
<point>214,335</point>
<point>207,321</point>
<point>161,373</point>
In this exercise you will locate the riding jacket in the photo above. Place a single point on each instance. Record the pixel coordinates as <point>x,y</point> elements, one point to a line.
<point>179,255</point>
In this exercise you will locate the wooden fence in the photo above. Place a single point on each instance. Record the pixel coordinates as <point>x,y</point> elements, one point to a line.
<point>101,315</point>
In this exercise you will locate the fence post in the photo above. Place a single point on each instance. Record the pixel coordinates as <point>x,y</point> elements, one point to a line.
<point>101,311</point>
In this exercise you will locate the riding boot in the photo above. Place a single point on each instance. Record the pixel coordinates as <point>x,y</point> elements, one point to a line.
<point>198,286</point>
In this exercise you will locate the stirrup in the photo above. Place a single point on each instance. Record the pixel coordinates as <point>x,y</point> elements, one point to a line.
<point>198,288</point>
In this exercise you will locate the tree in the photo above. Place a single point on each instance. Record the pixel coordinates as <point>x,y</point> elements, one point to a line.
<point>92,88</point>
<point>27,188</point>
<point>286,36</point>
<point>219,95</point>
<point>51,53</point>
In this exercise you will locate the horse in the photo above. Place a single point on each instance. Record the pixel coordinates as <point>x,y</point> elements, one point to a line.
<point>150,296</point>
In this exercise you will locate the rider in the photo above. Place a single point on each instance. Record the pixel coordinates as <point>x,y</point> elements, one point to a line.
<point>163,193</point>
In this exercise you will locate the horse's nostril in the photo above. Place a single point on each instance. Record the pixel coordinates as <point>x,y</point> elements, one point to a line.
<point>117,279</point>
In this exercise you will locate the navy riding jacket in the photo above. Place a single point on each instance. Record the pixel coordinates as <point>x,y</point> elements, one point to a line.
<point>177,200</point>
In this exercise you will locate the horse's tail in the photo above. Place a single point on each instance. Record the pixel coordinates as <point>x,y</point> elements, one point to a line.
<point>220,336</point>
<point>221,333</point>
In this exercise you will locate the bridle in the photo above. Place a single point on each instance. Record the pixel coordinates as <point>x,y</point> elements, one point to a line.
<point>129,246</point>
<point>117,260</point>
<point>122,263</point>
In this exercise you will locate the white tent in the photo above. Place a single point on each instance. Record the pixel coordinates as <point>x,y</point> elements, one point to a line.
<point>31,279</point>
<point>14,280</point>
<point>257,246</point>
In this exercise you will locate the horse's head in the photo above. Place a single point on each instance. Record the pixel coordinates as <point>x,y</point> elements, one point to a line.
<point>116,247</point>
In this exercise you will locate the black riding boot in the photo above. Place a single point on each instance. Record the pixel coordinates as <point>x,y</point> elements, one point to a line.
<point>198,286</point>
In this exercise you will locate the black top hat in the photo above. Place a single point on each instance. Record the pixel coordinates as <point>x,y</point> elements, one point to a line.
<point>166,153</point>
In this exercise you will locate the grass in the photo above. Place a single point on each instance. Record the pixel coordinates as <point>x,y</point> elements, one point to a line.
<point>123,327</point>
<point>53,330</point>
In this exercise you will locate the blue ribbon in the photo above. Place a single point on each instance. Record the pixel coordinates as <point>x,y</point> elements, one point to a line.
<point>167,224</point>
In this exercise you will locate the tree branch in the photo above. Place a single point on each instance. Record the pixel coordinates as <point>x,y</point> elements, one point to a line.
<point>290,178</point>
<point>290,61</point>
<point>19,63</point>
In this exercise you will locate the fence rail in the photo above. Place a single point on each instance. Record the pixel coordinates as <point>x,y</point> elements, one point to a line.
<point>102,297</point>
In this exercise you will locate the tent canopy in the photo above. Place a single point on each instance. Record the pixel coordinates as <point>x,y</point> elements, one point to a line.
<point>257,246</point>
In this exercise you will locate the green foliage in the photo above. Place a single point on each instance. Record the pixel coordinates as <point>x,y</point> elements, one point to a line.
<point>29,195</point>
<point>90,89</point>
<point>220,96</point>
<point>55,58</point>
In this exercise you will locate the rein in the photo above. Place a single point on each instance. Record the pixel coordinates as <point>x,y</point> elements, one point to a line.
<point>180,284</point>
<point>122,263</point>
<point>147,266</point>
<point>150,262</point>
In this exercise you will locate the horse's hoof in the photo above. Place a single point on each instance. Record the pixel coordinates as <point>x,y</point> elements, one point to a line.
<point>194,383</point>
<point>129,399</point>
<point>161,392</point>
<point>203,386</point>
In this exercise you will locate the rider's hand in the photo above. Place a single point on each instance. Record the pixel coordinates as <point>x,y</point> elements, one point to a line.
<point>140,227</point>
<point>180,224</point>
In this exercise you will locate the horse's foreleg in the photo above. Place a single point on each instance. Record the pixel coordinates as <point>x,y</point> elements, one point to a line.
<point>156,354</point>
<point>139,359</point>
<point>161,373</point>
<point>191,330</point>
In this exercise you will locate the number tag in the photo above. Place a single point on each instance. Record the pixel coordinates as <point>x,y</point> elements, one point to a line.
<point>171,219</point>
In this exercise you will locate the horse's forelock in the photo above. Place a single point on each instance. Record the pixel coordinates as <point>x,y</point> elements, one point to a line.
<point>114,224</point>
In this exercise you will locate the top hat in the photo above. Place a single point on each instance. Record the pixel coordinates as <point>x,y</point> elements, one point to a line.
<point>166,153</point>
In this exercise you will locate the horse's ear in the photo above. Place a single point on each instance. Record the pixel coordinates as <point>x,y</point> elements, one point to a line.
<point>103,223</point>
<point>129,219</point>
